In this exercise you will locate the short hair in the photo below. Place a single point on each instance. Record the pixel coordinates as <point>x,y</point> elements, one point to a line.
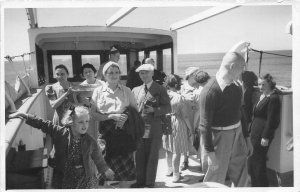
<point>61,66</point>
<point>143,61</point>
<point>137,63</point>
<point>173,81</point>
<point>88,65</point>
<point>249,79</point>
<point>269,79</point>
<point>230,57</point>
<point>201,76</point>
<point>72,113</point>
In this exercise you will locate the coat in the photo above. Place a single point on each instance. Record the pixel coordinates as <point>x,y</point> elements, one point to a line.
<point>160,101</point>
<point>266,118</point>
<point>91,153</point>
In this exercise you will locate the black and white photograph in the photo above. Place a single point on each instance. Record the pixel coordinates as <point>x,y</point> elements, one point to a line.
<point>150,94</point>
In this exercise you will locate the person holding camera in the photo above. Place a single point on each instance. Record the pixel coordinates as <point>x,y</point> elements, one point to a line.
<point>153,103</point>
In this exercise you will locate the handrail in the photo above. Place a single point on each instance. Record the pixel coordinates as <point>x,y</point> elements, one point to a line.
<point>13,125</point>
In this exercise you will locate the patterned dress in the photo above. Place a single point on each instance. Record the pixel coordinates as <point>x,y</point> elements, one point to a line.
<point>75,177</point>
<point>177,142</point>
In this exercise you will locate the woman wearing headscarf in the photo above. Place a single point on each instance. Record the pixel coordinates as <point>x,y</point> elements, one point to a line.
<point>110,104</point>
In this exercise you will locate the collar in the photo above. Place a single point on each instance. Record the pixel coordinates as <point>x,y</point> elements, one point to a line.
<point>222,83</point>
<point>148,84</point>
<point>268,94</point>
<point>106,88</point>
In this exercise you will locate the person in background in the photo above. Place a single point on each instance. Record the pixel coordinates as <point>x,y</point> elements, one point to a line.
<point>133,79</point>
<point>266,118</point>
<point>109,104</point>
<point>114,56</point>
<point>89,72</point>
<point>226,142</point>
<point>60,94</point>
<point>202,78</point>
<point>75,150</point>
<point>249,80</point>
<point>159,76</point>
<point>187,91</point>
<point>177,143</point>
<point>153,103</point>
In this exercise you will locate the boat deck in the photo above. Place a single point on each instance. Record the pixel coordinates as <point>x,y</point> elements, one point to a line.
<point>163,181</point>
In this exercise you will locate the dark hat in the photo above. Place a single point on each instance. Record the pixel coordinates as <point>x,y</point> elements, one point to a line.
<point>114,50</point>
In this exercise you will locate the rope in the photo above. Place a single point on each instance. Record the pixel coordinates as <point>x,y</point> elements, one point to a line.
<point>260,60</point>
<point>270,53</point>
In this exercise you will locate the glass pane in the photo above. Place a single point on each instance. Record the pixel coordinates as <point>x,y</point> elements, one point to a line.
<point>153,55</point>
<point>123,64</point>
<point>92,59</point>
<point>65,60</point>
<point>167,60</point>
<point>141,56</point>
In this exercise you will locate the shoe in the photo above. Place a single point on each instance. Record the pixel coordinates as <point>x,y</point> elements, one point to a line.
<point>177,178</point>
<point>150,186</point>
<point>184,166</point>
<point>137,185</point>
<point>169,174</point>
<point>201,179</point>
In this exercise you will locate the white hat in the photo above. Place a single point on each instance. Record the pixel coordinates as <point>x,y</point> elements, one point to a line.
<point>150,61</point>
<point>108,65</point>
<point>190,71</point>
<point>145,67</point>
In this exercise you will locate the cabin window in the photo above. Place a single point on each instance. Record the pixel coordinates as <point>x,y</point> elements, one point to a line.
<point>123,64</point>
<point>141,56</point>
<point>65,60</point>
<point>92,59</point>
<point>167,60</point>
<point>153,55</point>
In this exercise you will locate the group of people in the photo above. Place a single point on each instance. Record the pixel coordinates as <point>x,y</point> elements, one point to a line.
<point>115,133</point>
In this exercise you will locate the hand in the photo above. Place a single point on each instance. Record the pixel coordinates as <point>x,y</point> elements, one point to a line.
<point>249,146</point>
<point>122,120</point>
<point>70,91</point>
<point>290,144</point>
<point>264,142</point>
<point>17,115</point>
<point>109,174</point>
<point>148,109</point>
<point>212,161</point>
<point>240,47</point>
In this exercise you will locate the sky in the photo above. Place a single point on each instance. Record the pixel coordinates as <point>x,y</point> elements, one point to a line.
<point>262,26</point>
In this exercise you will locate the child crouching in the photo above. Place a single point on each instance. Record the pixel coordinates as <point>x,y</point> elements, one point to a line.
<point>76,152</point>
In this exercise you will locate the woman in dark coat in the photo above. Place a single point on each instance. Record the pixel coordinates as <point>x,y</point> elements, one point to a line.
<point>266,117</point>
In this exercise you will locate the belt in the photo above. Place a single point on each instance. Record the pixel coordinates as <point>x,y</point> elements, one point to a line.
<point>234,126</point>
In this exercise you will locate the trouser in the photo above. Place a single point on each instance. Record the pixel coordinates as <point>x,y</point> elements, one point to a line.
<point>231,154</point>
<point>147,155</point>
<point>257,166</point>
<point>203,155</point>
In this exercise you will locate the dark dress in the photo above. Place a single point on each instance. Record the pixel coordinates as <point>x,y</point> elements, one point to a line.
<point>266,117</point>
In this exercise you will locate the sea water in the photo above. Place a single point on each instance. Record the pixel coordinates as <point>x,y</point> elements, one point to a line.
<point>279,67</point>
